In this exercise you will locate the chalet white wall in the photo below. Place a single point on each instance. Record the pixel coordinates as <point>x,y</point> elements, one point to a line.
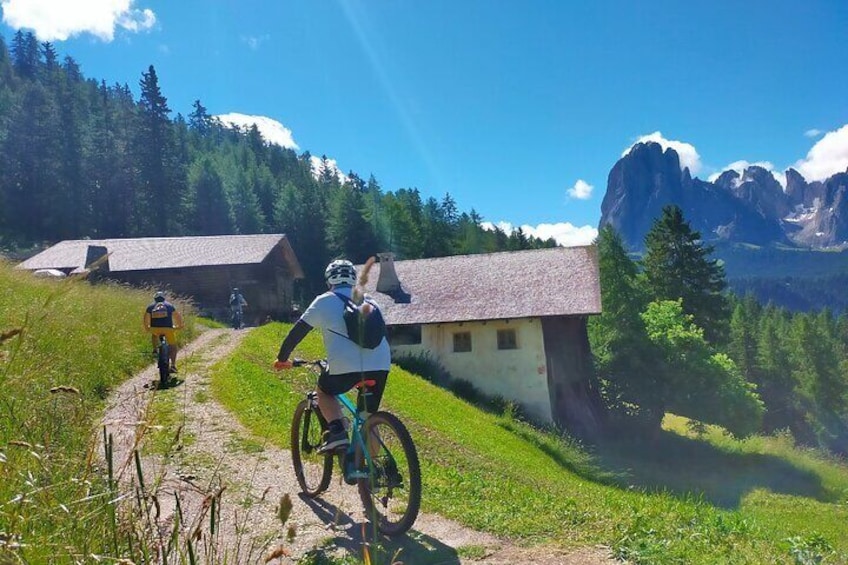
<point>516,374</point>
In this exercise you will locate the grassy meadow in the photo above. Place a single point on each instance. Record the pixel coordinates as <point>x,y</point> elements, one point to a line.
<point>692,495</point>
<point>65,345</point>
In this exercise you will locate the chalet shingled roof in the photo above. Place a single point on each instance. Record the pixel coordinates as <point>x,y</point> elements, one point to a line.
<point>151,253</point>
<point>561,281</point>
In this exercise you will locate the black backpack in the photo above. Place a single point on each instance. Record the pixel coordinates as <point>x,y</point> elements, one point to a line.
<point>365,329</point>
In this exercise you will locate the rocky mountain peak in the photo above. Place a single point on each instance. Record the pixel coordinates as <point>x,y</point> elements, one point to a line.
<point>750,207</point>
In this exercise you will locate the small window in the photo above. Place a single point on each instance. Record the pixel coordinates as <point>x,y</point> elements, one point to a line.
<point>404,335</point>
<point>507,340</point>
<point>462,342</point>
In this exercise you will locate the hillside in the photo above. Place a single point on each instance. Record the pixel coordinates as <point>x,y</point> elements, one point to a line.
<point>684,498</point>
<point>688,496</point>
<point>797,279</point>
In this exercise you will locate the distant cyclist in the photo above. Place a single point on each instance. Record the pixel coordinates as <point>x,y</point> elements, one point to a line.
<point>237,305</point>
<point>162,318</point>
<point>348,362</point>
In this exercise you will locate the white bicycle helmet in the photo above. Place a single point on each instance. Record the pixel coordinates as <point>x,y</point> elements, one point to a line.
<point>340,271</point>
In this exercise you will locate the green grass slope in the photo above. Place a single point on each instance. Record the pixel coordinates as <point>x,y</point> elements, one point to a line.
<point>680,499</point>
<point>63,345</point>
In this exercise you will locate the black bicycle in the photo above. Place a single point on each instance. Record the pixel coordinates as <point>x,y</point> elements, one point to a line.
<point>381,458</point>
<point>163,361</point>
<point>237,319</point>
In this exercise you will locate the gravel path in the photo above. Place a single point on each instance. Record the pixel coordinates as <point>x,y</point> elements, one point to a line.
<point>215,457</point>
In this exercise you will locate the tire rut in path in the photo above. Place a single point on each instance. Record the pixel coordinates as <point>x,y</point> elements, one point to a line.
<point>216,452</point>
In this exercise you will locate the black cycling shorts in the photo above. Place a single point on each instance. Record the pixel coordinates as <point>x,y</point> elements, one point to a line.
<point>339,384</point>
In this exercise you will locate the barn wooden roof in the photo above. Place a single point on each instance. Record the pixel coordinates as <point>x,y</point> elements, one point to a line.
<point>151,253</point>
<point>562,281</point>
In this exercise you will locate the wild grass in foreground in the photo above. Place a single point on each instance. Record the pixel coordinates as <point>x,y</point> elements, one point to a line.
<point>65,344</point>
<point>682,499</point>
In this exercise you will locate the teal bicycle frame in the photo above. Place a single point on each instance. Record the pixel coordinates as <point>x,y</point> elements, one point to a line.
<point>358,417</point>
<point>390,494</point>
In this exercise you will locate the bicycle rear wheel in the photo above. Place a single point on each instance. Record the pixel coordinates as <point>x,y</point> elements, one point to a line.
<point>163,361</point>
<point>312,469</point>
<point>391,494</point>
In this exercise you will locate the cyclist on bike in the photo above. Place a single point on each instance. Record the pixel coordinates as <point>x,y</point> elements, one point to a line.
<point>237,305</point>
<point>162,318</point>
<point>348,362</point>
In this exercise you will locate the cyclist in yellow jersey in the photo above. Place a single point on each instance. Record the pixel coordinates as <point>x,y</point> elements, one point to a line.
<point>162,318</point>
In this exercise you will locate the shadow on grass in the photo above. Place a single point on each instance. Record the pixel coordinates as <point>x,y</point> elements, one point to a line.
<point>684,466</point>
<point>353,535</point>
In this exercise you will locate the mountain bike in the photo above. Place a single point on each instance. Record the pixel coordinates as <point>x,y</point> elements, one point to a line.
<point>236,319</point>
<point>381,458</point>
<point>163,361</point>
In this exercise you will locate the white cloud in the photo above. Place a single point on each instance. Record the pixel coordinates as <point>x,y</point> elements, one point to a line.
<point>827,157</point>
<point>318,163</point>
<point>740,166</point>
<point>272,130</point>
<point>581,190</point>
<point>57,20</point>
<point>564,233</point>
<point>813,132</point>
<point>688,154</point>
<point>254,41</point>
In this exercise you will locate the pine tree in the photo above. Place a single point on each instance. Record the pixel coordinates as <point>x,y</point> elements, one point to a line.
<point>25,55</point>
<point>437,229</point>
<point>623,354</point>
<point>677,265</point>
<point>208,202</point>
<point>349,234</point>
<point>299,213</point>
<point>199,119</point>
<point>470,236</point>
<point>742,346</point>
<point>403,235</point>
<point>155,151</point>
<point>30,166</point>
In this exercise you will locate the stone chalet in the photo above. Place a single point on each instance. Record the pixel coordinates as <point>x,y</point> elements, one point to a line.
<point>513,324</point>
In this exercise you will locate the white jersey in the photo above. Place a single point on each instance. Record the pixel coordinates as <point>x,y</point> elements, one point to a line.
<point>343,355</point>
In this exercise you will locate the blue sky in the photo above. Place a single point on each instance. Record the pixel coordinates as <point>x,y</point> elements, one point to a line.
<point>518,109</point>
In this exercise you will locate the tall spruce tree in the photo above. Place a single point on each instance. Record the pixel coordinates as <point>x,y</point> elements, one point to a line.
<point>154,148</point>
<point>677,265</point>
<point>742,346</point>
<point>208,202</point>
<point>349,234</point>
<point>623,354</point>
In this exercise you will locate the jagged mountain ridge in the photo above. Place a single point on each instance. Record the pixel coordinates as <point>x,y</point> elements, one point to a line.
<point>748,208</point>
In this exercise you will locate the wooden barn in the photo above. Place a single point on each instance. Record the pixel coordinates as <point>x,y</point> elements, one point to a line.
<point>513,324</point>
<point>205,268</point>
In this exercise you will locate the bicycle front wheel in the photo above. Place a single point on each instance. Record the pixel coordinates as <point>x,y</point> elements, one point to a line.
<point>391,494</point>
<point>312,469</point>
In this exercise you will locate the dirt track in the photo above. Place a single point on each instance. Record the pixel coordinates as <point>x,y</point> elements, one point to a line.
<point>216,452</point>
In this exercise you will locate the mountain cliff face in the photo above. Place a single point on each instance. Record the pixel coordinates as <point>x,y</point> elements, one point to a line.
<point>751,208</point>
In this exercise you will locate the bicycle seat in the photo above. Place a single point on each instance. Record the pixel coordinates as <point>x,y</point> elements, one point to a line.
<point>366,383</point>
